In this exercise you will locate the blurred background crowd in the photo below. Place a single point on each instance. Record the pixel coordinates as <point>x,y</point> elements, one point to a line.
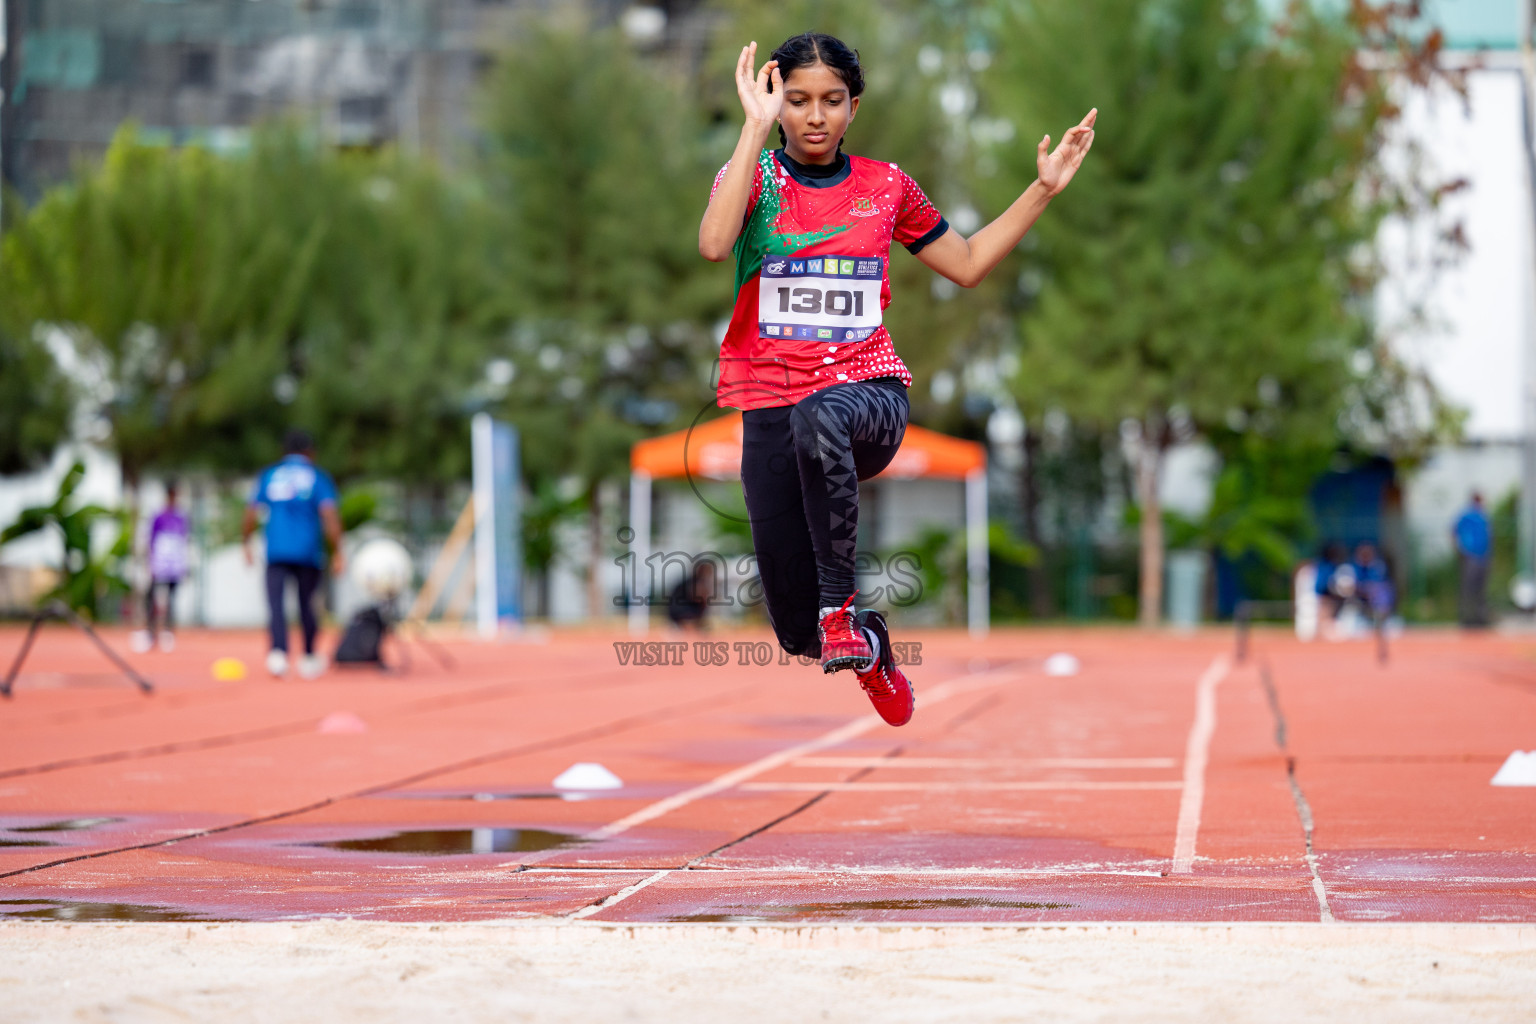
<point>1285,309</point>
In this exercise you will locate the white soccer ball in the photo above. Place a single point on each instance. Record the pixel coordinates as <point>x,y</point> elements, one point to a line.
<point>1522,593</point>
<point>381,568</point>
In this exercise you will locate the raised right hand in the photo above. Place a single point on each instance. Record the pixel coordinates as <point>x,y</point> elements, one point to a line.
<point>761,106</point>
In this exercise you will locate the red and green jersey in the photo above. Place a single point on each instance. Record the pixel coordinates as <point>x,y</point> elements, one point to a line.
<point>813,278</point>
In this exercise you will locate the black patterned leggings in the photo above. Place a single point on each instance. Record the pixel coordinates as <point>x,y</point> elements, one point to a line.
<point>800,471</point>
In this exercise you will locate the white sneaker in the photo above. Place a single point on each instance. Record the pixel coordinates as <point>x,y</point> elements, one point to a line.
<point>141,641</point>
<point>167,641</point>
<point>277,662</point>
<point>311,665</point>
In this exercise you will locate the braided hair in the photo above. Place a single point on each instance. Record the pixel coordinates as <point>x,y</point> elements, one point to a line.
<point>811,48</point>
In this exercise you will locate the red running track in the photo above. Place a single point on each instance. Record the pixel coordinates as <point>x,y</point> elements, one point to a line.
<point>1160,783</point>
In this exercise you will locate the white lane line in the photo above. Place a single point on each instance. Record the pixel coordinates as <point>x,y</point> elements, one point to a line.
<point>736,776</point>
<point>618,897</point>
<point>929,787</point>
<point>1196,755</point>
<point>987,762</point>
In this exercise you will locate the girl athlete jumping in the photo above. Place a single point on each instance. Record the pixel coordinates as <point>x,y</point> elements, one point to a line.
<point>822,392</point>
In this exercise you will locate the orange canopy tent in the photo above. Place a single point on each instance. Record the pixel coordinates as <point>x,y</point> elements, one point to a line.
<point>712,451</point>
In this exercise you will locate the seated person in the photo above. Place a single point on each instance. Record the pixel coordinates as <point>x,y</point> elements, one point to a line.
<point>689,601</point>
<point>1335,580</point>
<point>1374,581</point>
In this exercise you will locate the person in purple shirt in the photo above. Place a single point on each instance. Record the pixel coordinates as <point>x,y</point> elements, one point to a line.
<point>169,536</point>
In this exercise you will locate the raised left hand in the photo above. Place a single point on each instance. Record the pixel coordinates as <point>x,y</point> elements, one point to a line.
<point>1056,169</point>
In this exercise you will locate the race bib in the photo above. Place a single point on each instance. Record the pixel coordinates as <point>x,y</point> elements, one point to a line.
<point>821,298</point>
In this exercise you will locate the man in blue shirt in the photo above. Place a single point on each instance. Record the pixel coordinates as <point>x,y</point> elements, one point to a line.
<point>1474,545</point>
<point>300,500</point>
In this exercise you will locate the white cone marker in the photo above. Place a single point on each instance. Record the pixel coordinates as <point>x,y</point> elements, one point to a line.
<point>588,775</point>
<point>1062,664</point>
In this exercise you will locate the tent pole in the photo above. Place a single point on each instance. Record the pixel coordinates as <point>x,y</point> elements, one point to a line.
<point>978,615</point>
<point>640,550</point>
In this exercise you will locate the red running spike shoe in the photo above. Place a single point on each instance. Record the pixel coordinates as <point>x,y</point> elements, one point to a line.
<point>889,690</point>
<point>842,642</point>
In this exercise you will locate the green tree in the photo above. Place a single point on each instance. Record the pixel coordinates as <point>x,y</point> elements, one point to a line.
<point>392,331</point>
<point>35,404</point>
<point>592,164</point>
<point>1206,269</point>
<point>222,299</point>
<point>181,313</point>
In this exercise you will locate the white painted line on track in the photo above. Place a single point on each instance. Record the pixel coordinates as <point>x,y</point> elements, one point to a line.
<point>1196,755</point>
<point>940,786</point>
<point>987,762</point>
<point>736,776</point>
<point>618,897</point>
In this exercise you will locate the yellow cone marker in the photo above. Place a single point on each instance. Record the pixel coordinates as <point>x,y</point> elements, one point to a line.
<point>229,670</point>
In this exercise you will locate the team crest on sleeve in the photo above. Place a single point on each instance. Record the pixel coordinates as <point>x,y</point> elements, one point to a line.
<point>864,207</point>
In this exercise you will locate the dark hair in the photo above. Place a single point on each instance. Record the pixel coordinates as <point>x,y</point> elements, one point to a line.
<point>297,442</point>
<point>811,48</point>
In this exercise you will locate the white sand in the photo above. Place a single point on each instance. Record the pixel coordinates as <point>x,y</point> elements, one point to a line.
<point>354,971</point>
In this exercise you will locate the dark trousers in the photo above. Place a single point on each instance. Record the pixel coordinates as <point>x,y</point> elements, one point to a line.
<point>1472,600</point>
<point>151,606</point>
<point>800,472</point>
<point>307,578</point>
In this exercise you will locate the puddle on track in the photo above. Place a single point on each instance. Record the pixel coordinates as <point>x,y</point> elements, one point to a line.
<point>66,825</point>
<point>452,842</point>
<point>853,908</point>
<point>72,910</point>
<point>62,825</point>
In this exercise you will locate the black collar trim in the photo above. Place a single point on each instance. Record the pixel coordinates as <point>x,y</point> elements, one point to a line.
<point>816,175</point>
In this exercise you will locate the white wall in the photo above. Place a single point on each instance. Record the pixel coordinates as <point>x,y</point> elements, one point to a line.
<point>1476,348</point>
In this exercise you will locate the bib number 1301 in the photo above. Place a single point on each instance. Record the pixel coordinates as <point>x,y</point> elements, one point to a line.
<point>820,298</point>
<point>832,301</point>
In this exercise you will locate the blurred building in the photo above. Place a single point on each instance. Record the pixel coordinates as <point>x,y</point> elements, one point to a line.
<point>1478,341</point>
<point>364,72</point>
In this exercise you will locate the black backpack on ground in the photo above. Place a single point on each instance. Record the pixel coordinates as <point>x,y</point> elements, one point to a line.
<point>363,640</point>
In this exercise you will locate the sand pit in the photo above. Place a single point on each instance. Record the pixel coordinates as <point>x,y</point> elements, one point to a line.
<point>357,971</point>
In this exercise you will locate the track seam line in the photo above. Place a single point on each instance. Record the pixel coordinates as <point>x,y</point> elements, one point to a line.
<point>807,805</point>
<point>1299,798</point>
<point>1304,812</point>
<point>767,763</point>
<point>621,725</point>
<point>736,776</point>
<point>693,865</point>
<point>1197,754</point>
